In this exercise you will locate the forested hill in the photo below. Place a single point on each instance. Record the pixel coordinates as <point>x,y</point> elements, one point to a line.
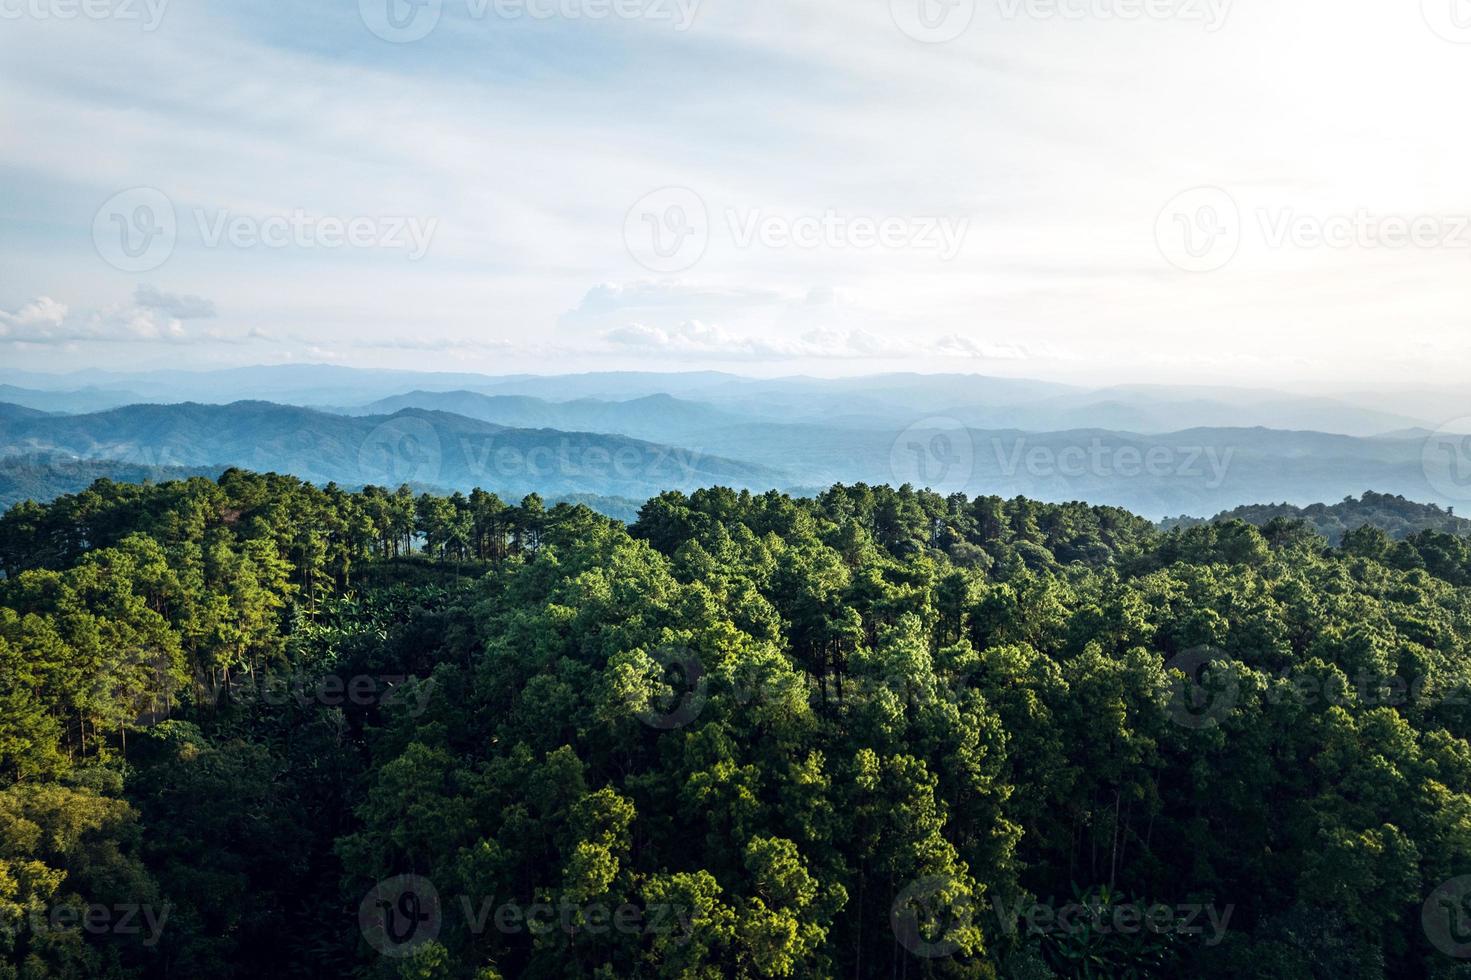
<point>1390,513</point>
<point>250,727</point>
<point>417,446</point>
<point>45,476</point>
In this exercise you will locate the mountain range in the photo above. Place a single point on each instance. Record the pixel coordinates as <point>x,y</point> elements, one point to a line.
<point>421,448</point>
<point>1156,450</point>
<point>976,400</point>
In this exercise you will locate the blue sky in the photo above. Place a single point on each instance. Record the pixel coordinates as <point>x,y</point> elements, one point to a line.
<point>1151,190</point>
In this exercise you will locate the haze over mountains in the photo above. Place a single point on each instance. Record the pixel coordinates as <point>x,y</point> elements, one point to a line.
<point>984,402</point>
<point>1157,450</point>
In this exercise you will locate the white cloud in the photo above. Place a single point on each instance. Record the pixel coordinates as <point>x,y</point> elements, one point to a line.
<point>40,318</point>
<point>436,344</point>
<point>970,347</point>
<point>48,323</point>
<point>179,307</point>
<point>614,297</point>
<point>694,339</point>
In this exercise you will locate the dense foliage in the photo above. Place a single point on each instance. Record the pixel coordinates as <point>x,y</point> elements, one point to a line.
<point>46,476</point>
<point>255,728</point>
<point>1391,513</point>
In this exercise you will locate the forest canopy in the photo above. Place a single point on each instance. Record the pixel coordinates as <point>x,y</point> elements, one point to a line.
<point>253,727</point>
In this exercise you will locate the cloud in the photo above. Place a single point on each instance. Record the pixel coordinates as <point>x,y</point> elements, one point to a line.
<point>436,344</point>
<point>37,319</point>
<point>692,336</point>
<point>695,338</point>
<point>46,321</point>
<point>966,347</point>
<point>179,307</point>
<point>614,297</point>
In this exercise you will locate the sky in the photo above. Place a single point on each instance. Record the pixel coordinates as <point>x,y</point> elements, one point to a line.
<point>1174,191</point>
